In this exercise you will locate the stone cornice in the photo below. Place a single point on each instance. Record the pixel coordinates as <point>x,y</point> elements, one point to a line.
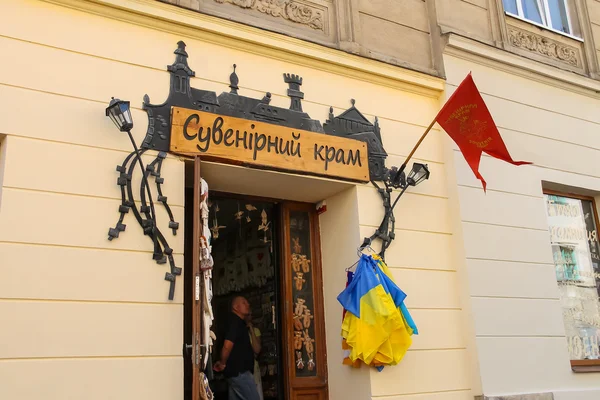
<point>186,23</point>
<point>480,53</point>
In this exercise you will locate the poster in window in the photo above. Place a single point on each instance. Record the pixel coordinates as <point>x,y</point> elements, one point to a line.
<point>576,255</point>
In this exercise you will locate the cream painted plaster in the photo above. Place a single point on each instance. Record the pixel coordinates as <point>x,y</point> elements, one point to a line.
<point>510,285</point>
<point>95,311</point>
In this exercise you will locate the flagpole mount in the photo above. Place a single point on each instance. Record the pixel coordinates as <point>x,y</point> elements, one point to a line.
<point>394,179</point>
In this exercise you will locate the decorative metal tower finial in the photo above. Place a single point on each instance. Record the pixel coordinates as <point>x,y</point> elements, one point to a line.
<point>180,50</point>
<point>266,98</point>
<point>294,82</point>
<point>181,62</point>
<point>233,81</point>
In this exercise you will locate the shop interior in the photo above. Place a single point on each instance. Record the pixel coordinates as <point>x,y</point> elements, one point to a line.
<point>244,247</point>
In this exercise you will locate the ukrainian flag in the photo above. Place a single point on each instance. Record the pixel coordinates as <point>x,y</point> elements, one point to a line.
<point>403,310</point>
<point>375,329</point>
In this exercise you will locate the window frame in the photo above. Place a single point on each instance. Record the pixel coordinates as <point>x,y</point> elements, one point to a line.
<point>580,365</point>
<point>546,17</point>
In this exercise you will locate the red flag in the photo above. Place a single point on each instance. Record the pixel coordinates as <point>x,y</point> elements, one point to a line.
<point>467,120</point>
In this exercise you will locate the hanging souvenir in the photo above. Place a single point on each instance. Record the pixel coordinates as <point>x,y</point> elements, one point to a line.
<point>206,264</point>
<point>299,360</point>
<point>204,209</point>
<point>250,208</point>
<point>306,318</point>
<point>377,327</point>
<point>206,259</point>
<point>216,227</point>
<point>299,280</point>
<point>264,226</point>
<point>298,340</point>
<point>308,342</point>
<point>311,363</point>
<point>296,263</point>
<point>205,391</point>
<point>304,264</point>
<point>207,314</point>
<point>297,247</point>
<point>300,307</point>
<point>297,323</point>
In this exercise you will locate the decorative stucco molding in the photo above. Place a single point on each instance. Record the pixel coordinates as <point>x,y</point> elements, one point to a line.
<point>288,9</point>
<point>544,46</point>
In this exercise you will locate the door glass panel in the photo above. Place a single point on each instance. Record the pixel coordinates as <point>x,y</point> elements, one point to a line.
<point>305,351</point>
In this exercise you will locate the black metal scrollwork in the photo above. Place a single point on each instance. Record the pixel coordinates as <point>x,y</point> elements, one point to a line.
<point>351,123</point>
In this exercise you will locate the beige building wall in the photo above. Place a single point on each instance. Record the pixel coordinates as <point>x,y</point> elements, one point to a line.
<point>399,32</point>
<point>552,120</point>
<point>86,318</point>
<point>471,18</point>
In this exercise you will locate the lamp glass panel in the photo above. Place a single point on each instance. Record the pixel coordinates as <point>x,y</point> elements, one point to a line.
<point>113,119</point>
<point>124,107</point>
<point>418,174</point>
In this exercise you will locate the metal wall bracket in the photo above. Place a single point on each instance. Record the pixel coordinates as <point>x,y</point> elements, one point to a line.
<point>351,123</point>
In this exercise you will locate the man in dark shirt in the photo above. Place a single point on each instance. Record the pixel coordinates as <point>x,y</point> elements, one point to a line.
<point>237,356</point>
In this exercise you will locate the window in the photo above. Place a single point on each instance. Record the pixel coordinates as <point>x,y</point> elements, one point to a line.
<point>553,14</point>
<point>573,225</point>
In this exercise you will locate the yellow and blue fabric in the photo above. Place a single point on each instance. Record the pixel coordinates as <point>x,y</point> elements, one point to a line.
<point>377,327</point>
<point>403,309</point>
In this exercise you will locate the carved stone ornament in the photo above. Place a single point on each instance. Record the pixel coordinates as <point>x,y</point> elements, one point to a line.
<point>287,9</point>
<point>544,46</point>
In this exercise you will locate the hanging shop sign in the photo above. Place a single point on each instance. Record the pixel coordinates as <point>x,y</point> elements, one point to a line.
<point>262,144</point>
<point>232,128</point>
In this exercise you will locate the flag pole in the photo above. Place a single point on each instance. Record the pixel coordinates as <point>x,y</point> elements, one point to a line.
<point>403,166</point>
<point>418,143</point>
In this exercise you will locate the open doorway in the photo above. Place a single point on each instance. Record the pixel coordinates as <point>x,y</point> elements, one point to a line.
<point>267,251</point>
<point>245,252</point>
<point>245,248</point>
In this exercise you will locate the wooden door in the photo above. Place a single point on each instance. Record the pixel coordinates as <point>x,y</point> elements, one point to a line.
<point>305,355</point>
<point>197,284</point>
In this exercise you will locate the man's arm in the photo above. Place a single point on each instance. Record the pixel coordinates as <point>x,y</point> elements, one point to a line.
<point>225,352</point>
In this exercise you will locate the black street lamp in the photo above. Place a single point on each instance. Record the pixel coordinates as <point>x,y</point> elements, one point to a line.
<point>120,113</point>
<point>395,179</point>
<point>418,174</point>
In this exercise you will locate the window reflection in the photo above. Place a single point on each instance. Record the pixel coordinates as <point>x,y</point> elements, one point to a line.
<point>532,11</point>
<point>576,254</point>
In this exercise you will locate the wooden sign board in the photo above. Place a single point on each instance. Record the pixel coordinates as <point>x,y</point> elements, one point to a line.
<point>261,144</point>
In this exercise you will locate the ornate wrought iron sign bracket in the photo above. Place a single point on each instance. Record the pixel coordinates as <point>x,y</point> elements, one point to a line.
<point>351,124</point>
